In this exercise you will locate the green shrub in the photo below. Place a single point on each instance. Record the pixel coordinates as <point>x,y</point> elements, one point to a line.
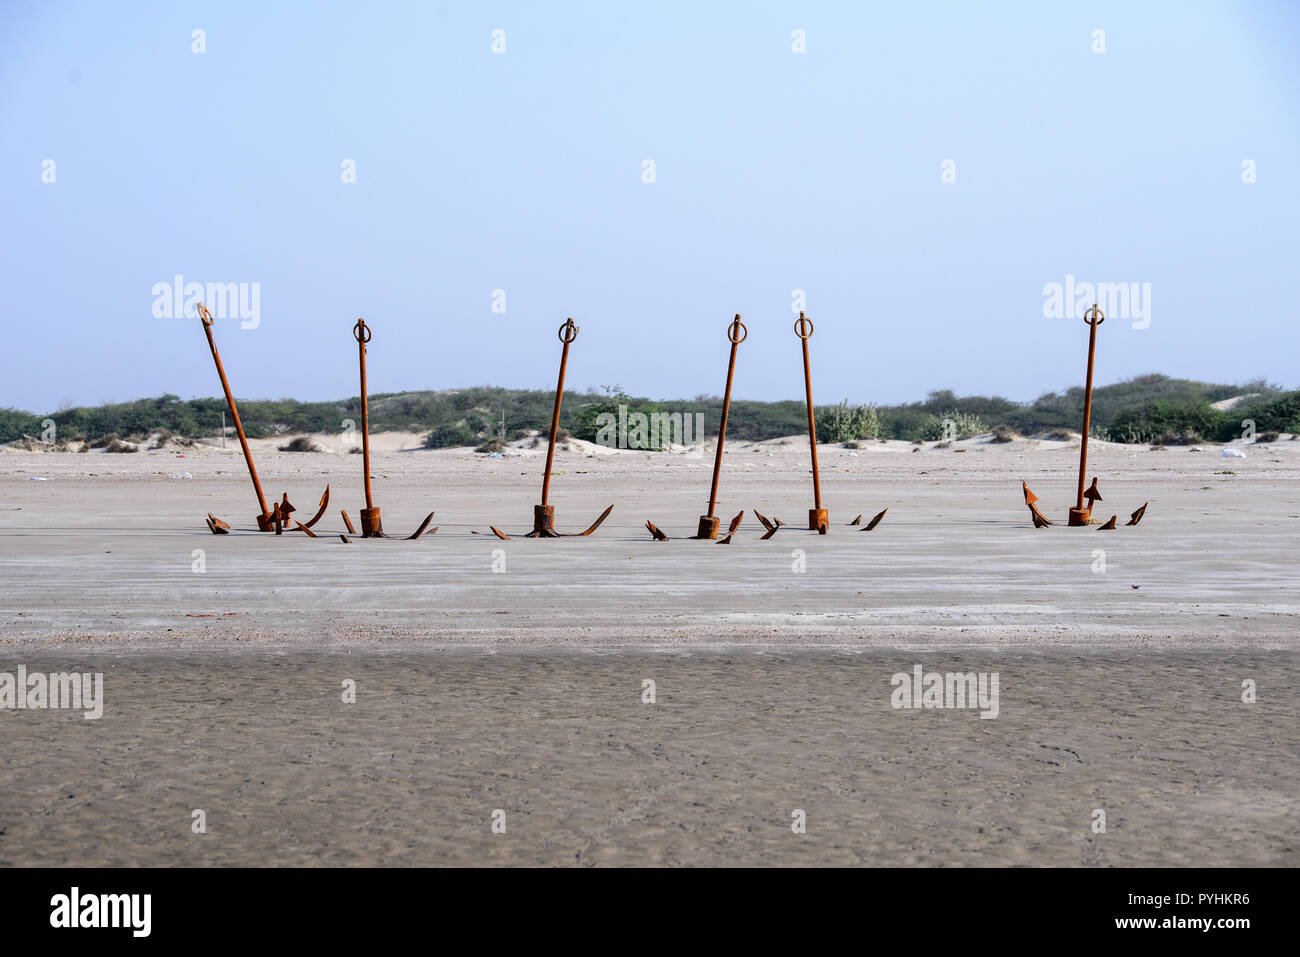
<point>1161,420</point>
<point>1276,412</point>
<point>1186,437</point>
<point>447,436</point>
<point>1136,410</point>
<point>844,423</point>
<point>302,443</point>
<point>14,424</point>
<point>115,444</point>
<point>595,418</point>
<point>964,425</point>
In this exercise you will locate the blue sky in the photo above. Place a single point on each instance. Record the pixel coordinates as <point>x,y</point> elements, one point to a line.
<point>523,171</point>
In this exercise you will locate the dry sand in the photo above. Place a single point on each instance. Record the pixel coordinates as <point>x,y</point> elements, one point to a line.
<point>519,689</point>
<point>103,553</point>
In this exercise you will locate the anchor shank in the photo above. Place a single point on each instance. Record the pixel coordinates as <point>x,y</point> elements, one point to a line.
<point>1087,413</point>
<point>555,423</point>
<point>812,428</point>
<point>365,422</point>
<point>234,411</point>
<point>722,425</point>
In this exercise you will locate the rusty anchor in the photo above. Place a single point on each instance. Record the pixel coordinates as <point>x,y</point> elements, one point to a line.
<point>371,524</point>
<point>268,519</point>
<point>544,514</point>
<point>1079,513</point>
<point>818,519</point>
<point>708,528</point>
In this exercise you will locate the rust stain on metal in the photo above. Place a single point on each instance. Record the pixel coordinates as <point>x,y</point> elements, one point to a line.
<point>817,518</point>
<point>1081,514</point>
<point>736,334</point>
<point>544,514</point>
<point>371,521</point>
<point>324,503</point>
<point>266,517</point>
<point>1030,497</point>
<point>423,525</point>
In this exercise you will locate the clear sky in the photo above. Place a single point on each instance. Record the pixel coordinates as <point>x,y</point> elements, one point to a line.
<point>523,171</point>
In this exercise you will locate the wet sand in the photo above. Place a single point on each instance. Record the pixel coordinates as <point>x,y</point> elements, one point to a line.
<point>588,774</point>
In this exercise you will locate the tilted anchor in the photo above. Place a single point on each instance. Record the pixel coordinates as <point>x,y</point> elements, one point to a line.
<point>371,526</point>
<point>269,519</point>
<point>544,514</point>
<point>736,334</point>
<point>1081,514</point>
<point>708,528</point>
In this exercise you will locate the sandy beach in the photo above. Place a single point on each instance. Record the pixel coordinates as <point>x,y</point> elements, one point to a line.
<point>508,675</point>
<point>97,550</point>
<point>710,774</point>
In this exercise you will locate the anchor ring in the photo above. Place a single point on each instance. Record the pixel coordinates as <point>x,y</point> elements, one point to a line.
<point>205,315</point>
<point>568,331</point>
<point>737,327</point>
<point>361,330</point>
<point>802,323</point>
<point>1096,314</point>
